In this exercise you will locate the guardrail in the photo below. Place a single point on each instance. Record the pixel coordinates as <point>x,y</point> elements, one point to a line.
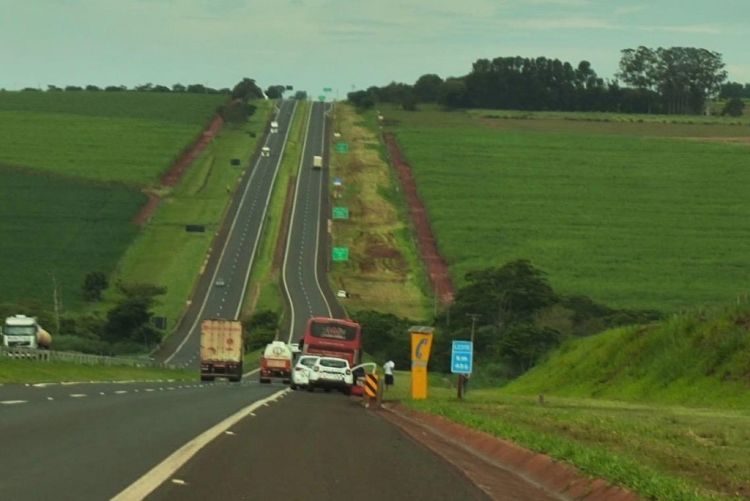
<point>78,358</point>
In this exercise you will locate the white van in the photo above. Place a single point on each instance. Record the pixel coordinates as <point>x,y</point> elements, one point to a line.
<point>274,127</point>
<point>317,162</point>
<point>265,151</point>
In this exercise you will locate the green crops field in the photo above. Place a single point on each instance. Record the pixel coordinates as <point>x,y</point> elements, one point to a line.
<point>70,167</point>
<point>632,214</point>
<point>59,229</point>
<point>127,137</point>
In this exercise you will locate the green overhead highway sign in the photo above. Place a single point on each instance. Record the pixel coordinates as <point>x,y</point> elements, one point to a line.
<point>340,213</point>
<point>327,89</point>
<point>342,147</point>
<point>340,254</point>
<point>322,98</point>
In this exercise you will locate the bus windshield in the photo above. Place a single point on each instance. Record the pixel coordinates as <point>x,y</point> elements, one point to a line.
<point>19,330</point>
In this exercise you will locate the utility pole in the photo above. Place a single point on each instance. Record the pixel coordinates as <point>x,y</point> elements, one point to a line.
<point>474,317</point>
<point>56,302</point>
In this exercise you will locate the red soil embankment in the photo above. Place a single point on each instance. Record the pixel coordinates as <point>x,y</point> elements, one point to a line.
<point>178,168</point>
<point>437,268</point>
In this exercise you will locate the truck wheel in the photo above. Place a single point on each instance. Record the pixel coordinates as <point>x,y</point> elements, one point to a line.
<point>311,389</point>
<point>293,386</point>
<point>264,381</point>
<point>207,378</point>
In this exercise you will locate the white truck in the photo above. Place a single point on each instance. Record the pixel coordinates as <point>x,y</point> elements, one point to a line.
<point>317,162</point>
<point>274,127</point>
<point>276,362</point>
<point>20,331</point>
<point>222,350</point>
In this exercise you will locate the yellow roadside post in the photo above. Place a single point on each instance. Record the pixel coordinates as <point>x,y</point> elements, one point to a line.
<point>371,388</point>
<point>421,343</point>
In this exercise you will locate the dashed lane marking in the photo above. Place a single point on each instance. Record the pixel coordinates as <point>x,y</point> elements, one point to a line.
<point>13,402</point>
<point>77,395</point>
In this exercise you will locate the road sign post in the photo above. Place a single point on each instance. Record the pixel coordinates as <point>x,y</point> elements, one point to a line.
<point>462,361</point>
<point>340,213</point>
<point>339,254</point>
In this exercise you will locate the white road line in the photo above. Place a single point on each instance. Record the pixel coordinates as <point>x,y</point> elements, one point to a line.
<point>77,395</point>
<point>291,225</point>
<point>13,402</point>
<point>120,392</point>
<point>317,227</point>
<point>164,470</point>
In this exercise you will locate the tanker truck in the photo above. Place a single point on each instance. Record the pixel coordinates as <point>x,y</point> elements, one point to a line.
<point>20,331</point>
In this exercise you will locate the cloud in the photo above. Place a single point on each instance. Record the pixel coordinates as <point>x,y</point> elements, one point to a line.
<point>629,9</point>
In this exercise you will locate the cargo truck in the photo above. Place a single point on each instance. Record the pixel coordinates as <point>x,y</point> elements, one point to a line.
<point>276,362</point>
<point>222,350</point>
<point>274,127</point>
<point>20,331</point>
<point>317,162</point>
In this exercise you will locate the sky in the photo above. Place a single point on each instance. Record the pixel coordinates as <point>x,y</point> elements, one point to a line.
<point>342,44</point>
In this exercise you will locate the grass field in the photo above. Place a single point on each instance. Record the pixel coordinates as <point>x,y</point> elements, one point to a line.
<point>24,371</point>
<point>164,253</point>
<point>660,452</point>
<point>123,137</point>
<point>630,214</point>
<point>55,228</point>
<point>384,272</point>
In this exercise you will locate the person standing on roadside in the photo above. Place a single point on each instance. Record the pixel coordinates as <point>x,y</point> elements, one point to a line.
<point>388,369</point>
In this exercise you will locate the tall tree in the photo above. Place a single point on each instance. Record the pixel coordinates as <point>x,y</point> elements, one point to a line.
<point>427,87</point>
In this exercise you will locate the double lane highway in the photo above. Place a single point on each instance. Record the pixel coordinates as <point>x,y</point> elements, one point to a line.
<point>232,259</point>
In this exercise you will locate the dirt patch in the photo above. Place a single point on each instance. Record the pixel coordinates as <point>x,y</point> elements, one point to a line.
<point>499,467</point>
<point>437,268</point>
<point>178,168</point>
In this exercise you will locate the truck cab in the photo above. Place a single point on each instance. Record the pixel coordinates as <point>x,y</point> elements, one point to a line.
<point>20,331</point>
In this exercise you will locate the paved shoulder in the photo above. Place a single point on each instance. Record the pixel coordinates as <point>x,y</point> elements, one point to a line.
<point>316,446</point>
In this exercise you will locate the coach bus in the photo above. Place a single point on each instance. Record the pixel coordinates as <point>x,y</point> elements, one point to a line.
<point>332,337</point>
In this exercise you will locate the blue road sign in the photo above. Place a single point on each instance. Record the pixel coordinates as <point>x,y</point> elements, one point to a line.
<point>462,357</point>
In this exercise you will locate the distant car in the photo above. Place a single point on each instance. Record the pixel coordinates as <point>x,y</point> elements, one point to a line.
<point>302,369</point>
<point>220,282</point>
<point>331,373</point>
<point>341,293</point>
<point>265,151</point>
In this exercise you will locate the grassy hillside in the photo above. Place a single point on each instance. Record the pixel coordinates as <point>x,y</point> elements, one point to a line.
<point>58,228</point>
<point>124,137</point>
<point>66,211</point>
<point>698,359</point>
<point>629,214</point>
<point>164,253</point>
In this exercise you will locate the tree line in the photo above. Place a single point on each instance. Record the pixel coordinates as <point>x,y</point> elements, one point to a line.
<point>516,316</point>
<point>663,80</point>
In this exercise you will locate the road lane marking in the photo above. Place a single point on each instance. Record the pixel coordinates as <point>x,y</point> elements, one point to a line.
<point>145,485</point>
<point>13,402</point>
<point>178,481</point>
<point>77,395</point>
<point>120,392</point>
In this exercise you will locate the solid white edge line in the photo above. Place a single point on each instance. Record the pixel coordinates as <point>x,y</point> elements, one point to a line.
<point>291,225</point>
<point>161,472</point>
<point>259,235</point>
<point>221,256</point>
<point>320,206</point>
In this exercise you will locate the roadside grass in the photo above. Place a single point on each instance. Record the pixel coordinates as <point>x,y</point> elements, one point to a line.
<point>129,139</point>
<point>384,272</point>
<point>164,253</point>
<point>265,288</point>
<point>660,452</point>
<point>56,229</point>
<point>629,219</point>
<point>27,372</point>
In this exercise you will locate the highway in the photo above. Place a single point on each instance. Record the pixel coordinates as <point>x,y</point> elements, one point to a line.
<point>166,440</point>
<point>234,250</point>
<point>305,256</point>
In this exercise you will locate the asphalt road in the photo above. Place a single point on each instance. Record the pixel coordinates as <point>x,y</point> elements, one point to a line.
<point>306,251</point>
<point>90,441</point>
<point>234,251</point>
<point>316,446</point>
